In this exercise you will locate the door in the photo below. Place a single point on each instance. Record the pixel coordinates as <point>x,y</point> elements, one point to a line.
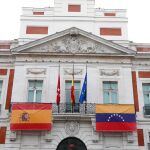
<point>71,143</point>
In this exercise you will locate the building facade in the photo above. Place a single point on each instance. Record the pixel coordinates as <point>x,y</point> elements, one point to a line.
<point>69,40</point>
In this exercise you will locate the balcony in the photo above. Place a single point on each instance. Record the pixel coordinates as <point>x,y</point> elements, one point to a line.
<point>146,110</point>
<point>63,108</point>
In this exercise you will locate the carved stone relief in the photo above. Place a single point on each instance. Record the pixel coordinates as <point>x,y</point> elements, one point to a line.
<point>109,72</point>
<point>72,128</point>
<point>73,43</point>
<point>68,71</point>
<point>36,71</point>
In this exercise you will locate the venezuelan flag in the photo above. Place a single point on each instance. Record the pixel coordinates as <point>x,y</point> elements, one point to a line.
<point>31,116</point>
<point>115,118</point>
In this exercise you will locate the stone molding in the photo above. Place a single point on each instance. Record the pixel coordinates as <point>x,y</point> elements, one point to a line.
<point>36,71</point>
<point>109,72</point>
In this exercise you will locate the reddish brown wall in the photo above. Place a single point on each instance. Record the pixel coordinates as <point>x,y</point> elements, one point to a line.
<point>144,74</point>
<point>9,89</point>
<point>2,135</point>
<point>140,135</point>
<point>74,8</point>
<point>135,91</point>
<point>3,72</point>
<point>110,31</point>
<point>109,14</point>
<point>36,30</point>
<point>3,46</point>
<point>38,13</point>
<point>143,49</point>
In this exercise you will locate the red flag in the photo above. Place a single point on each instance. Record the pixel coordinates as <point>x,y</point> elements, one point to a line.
<point>58,91</point>
<point>72,93</point>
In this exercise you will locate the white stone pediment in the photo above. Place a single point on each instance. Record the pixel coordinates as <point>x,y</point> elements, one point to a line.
<point>75,41</point>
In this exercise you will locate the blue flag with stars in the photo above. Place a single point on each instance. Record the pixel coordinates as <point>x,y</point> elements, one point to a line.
<point>84,91</point>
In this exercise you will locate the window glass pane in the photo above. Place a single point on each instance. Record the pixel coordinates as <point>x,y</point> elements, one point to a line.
<point>106,85</point>
<point>146,99</point>
<point>68,84</point>
<point>114,98</point>
<point>31,83</point>
<point>35,86</point>
<point>38,95</point>
<point>38,83</point>
<point>68,96</point>
<point>77,92</point>
<point>146,87</point>
<point>77,84</point>
<point>30,96</point>
<point>106,97</point>
<point>146,93</point>
<point>114,85</point>
<point>110,92</point>
<point>1,83</point>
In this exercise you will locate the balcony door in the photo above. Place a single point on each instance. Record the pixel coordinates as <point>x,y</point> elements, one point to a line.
<point>71,143</point>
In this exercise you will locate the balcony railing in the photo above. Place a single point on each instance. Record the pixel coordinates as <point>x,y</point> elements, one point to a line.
<point>87,108</point>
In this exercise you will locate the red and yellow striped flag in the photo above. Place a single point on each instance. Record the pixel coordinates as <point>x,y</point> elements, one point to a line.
<point>72,93</point>
<point>30,116</point>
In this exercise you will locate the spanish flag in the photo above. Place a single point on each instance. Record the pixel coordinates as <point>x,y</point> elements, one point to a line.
<point>31,116</point>
<point>72,93</point>
<point>115,118</point>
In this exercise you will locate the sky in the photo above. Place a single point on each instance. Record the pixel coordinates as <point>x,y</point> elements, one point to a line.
<point>138,13</point>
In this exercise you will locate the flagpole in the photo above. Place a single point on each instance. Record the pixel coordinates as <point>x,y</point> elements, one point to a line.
<point>86,90</point>
<point>73,85</point>
<point>59,77</point>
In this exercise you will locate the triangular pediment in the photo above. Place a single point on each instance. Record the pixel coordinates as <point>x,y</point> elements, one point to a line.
<point>73,41</point>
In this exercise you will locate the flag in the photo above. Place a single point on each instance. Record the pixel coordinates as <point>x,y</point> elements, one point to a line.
<point>83,93</point>
<point>72,93</point>
<point>31,116</point>
<point>58,91</point>
<point>115,118</point>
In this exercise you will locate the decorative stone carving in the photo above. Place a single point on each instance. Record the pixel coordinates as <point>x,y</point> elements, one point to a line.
<point>130,137</point>
<point>109,72</point>
<point>13,136</point>
<point>72,128</point>
<point>93,123</point>
<point>48,136</point>
<point>68,71</point>
<point>74,31</point>
<point>36,71</point>
<point>72,43</point>
<point>95,137</point>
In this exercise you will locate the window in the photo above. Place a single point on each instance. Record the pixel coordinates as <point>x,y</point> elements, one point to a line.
<point>146,93</point>
<point>1,84</point>
<point>35,90</point>
<point>110,92</point>
<point>68,95</point>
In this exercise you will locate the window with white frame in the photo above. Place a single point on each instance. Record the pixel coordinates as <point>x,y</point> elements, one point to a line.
<point>110,92</point>
<point>35,90</point>
<point>146,93</point>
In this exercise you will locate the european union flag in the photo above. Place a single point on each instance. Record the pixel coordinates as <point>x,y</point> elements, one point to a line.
<point>84,91</point>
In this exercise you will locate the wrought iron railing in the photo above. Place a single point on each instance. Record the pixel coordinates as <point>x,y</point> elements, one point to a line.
<point>86,108</point>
